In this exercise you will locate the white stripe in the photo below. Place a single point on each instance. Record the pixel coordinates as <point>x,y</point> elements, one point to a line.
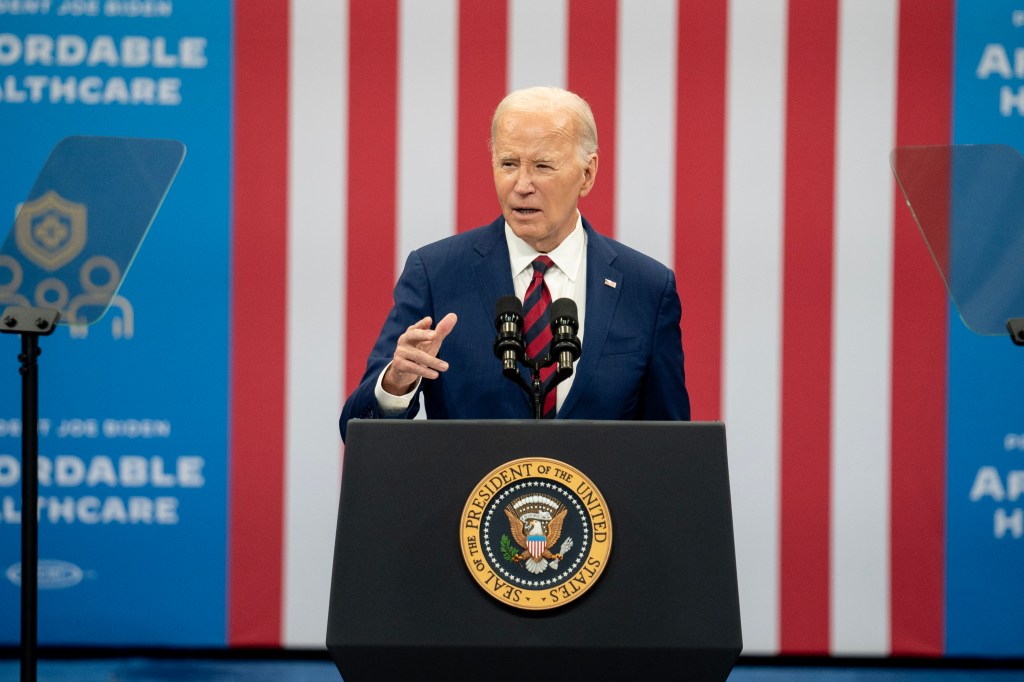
<point>315,294</point>
<point>646,133</point>
<point>427,96</point>
<point>537,35</point>
<point>862,334</point>
<point>756,87</point>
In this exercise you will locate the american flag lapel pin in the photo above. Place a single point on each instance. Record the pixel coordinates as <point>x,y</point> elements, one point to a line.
<point>610,283</point>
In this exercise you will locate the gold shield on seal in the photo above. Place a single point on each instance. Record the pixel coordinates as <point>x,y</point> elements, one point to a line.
<point>51,231</point>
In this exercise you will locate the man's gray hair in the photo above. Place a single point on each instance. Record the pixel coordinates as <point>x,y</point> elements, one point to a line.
<point>544,98</point>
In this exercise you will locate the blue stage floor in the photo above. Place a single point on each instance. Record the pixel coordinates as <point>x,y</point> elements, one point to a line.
<point>205,670</point>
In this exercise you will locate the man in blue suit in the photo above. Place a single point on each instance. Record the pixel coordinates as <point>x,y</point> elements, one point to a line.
<point>544,156</point>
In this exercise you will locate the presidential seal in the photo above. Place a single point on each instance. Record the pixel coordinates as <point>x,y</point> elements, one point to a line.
<point>535,533</point>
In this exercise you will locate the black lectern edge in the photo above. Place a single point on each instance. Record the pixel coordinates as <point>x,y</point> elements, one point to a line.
<point>505,663</point>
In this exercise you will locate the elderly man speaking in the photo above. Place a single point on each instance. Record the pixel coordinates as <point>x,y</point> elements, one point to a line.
<point>545,158</point>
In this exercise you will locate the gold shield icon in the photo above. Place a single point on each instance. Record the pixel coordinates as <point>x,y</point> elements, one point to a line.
<point>51,230</point>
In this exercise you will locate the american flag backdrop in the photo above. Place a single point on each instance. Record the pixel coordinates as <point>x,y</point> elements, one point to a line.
<point>742,142</point>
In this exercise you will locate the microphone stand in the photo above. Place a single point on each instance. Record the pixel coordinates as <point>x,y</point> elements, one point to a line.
<point>535,389</point>
<point>561,374</point>
<point>538,394</point>
<point>31,323</point>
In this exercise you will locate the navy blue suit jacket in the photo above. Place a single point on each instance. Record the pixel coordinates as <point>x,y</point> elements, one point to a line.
<point>631,366</point>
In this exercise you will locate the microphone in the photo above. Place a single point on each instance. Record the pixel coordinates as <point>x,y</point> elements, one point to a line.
<point>565,345</point>
<point>508,346</point>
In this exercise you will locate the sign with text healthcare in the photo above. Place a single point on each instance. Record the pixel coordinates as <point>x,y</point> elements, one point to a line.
<point>133,429</point>
<point>985,475</point>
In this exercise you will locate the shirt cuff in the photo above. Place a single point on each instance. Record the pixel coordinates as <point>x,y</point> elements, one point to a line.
<point>392,405</point>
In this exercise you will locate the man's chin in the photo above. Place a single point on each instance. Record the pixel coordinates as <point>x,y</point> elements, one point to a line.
<point>528,231</point>
<point>523,229</point>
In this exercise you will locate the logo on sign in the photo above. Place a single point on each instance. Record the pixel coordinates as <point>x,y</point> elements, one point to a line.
<point>51,230</point>
<point>53,574</point>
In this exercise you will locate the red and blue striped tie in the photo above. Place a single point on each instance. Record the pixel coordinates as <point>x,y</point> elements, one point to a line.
<point>538,327</point>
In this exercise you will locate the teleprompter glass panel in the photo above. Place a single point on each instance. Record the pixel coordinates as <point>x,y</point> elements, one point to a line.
<point>968,201</point>
<point>78,231</point>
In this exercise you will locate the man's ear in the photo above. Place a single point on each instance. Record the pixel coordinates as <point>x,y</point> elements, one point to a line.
<point>589,175</point>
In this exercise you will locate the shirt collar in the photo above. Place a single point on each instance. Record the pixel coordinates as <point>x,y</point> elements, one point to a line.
<point>567,256</point>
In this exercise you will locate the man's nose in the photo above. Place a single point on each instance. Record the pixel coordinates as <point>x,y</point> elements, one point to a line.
<point>524,181</point>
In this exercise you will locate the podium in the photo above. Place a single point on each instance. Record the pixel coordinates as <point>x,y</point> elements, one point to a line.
<point>403,602</point>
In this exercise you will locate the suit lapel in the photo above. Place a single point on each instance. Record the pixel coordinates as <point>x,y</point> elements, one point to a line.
<point>601,301</point>
<point>492,273</point>
<point>492,268</point>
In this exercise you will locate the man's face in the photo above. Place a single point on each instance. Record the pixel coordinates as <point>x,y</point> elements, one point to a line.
<point>539,177</point>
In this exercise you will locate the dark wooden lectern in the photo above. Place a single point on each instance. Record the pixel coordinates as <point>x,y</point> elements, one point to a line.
<point>404,606</point>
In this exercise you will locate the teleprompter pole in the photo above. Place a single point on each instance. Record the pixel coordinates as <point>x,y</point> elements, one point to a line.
<point>29,504</point>
<point>30,323</point>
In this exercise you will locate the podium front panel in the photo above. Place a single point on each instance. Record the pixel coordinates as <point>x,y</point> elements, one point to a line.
<point>403,601</point>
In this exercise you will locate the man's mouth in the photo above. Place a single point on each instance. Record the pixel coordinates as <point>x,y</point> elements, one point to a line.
<point>526,211</point>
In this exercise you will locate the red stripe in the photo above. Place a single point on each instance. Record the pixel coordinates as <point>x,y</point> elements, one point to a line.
<point>593,59</point>
<point>920,319</point>
<point>258,349</point>
<point>372,139</point>
<point>700,182</point>
<point>483,27</point>
<point>807,327</point>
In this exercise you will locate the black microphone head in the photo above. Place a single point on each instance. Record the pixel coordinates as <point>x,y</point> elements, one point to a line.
<point>507,305</point>
<point>565,345</point>
<point>508,318</point>
<point>564,308</point>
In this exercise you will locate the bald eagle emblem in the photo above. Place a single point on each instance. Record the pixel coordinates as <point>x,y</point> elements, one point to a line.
<point>536,524</point>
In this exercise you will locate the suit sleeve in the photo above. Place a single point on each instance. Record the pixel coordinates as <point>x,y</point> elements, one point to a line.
<point>411,303</point>
<point>665,397</point>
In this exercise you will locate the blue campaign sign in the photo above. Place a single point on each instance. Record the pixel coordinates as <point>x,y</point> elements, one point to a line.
<point>134,409</point>
<point>985,475</point>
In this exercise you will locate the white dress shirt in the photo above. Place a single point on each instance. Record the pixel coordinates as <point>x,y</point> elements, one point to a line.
<point>567,279</point>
